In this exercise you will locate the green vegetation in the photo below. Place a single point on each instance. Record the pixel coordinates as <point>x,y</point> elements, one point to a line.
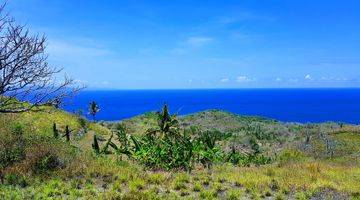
<point>207,155</point>
<point>167,146</point>
<point>93,109</point>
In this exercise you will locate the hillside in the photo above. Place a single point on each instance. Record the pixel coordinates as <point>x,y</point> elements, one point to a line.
<point>308,161</point>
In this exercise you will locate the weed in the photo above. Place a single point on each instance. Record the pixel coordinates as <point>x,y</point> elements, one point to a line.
<point>234,194</point>
<point>156,178</point>
<point>197,187</point>
<point>137,184</point>
<point>207,194</point>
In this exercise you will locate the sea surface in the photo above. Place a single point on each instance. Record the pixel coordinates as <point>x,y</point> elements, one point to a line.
<point>288,105</point>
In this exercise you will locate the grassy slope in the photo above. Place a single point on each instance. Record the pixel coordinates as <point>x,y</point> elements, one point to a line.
<point>296,174</point>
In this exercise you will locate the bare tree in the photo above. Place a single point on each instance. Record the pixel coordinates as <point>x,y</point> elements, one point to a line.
<point>24,71</point>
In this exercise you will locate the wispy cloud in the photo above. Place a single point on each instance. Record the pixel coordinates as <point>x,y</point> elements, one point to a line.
<point>223,80</point>
<point>64,49</point>
<point>178,51</point>
<point>81,82</point>
<point>323,78</point>
<point>244,16</point>
<point>198,41</point>
<point>242,78</point>
<point>308,77</point>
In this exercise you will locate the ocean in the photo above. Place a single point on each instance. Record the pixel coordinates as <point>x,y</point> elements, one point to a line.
<point>288,105</point>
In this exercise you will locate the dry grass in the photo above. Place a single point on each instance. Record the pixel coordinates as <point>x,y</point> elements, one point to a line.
<point>295,175</point>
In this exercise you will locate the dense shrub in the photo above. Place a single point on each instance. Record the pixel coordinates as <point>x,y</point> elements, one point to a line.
<point>15,179</point>
<point>254,145</point>
<point>165,146</point>
<point>45,154</point>
<point>12,146</point>
<point>83,123</point>
<point>46,163</point>
<point>290,155</point>
<point>259,132</point>
<point>39,154</point>
<point>240,159</point>
<point>206,149</point>
<point>167,153</point>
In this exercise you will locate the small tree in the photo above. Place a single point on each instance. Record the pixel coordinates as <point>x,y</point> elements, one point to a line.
<point>93,109</point>
<point>25,74</point>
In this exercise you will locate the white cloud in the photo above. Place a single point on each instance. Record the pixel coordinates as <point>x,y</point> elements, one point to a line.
<point>244,16</point>
<point>198,41</point>
<point>78,81</point>
<point>63,49</point>
<point>244,79</point>
<point>341,79</point>
<point>308,77</point>
<point>278,79</point>
<point>178,51</point>
<point>293,80</point>
<point>224,80</point>
<point>105,83</point>
<point>323,78</point>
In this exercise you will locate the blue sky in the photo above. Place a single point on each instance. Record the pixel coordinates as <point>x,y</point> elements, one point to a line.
<point>137,44</point>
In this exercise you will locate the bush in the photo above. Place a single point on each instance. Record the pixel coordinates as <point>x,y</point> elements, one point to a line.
<point>178,151</point>
<point>12,146</point>
<point>45,154</point>
<point>167,147</point>
<point>46,163</point>
<point>83,123</point>
<point>165,153</point>
<point>259,132</point>
<point>254,145</point>
<point>290,155</point>
<point>11,179</point>
<point>237,158</point>
<point>14,179</point>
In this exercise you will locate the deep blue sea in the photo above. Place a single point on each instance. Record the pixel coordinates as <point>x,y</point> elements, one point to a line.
<point>289,105</point>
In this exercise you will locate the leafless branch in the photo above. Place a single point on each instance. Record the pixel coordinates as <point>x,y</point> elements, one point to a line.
<point>24,71</point>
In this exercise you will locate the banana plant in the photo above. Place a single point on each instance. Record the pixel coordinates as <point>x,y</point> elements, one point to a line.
<point>108,144</point>
<point>167,124</point>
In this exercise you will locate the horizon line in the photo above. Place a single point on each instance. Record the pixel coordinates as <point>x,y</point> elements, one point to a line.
<point>245,88</point>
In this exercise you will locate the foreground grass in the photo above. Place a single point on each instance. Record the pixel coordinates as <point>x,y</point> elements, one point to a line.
<point>295,173</point>
<point>106,178</point>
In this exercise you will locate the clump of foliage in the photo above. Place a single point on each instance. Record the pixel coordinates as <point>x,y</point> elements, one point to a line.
<point>254,145</point>
<point>15,180</point>
<point>167,146</point>
<point>83,123</point>
<point>93,109</point>
<point>167,153</point>
<point>206,149</point>
<point>240,159</point>
<point>12,146</point>
<point>47,162</point>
